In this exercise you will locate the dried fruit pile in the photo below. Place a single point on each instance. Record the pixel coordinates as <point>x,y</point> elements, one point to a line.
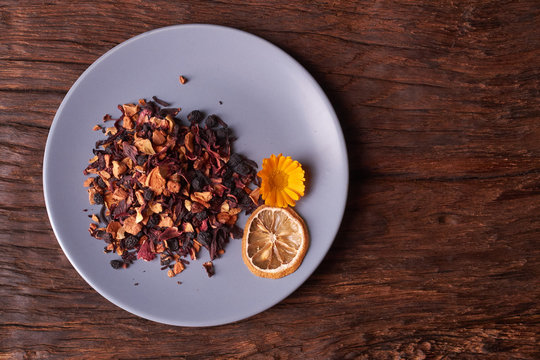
<point>167,188</point>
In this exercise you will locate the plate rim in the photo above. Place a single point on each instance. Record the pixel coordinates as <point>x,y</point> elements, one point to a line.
<point>46,158</point>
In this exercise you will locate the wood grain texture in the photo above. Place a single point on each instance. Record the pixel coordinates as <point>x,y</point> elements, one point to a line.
<point>437,256</point>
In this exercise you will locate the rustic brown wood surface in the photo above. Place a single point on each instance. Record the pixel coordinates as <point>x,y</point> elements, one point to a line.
<point>437,256</point>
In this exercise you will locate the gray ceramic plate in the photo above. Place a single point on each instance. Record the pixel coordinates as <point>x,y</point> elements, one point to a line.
<point>273,105</point>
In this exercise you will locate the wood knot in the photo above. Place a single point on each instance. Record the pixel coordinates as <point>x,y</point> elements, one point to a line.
<point>448,219</point>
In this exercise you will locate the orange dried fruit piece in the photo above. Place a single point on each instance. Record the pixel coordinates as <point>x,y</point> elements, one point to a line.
<point>275,242</point>
<point>156,181</point>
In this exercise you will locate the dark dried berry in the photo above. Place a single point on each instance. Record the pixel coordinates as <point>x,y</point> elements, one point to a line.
<point>242,169</point>
<point>123,135</point>
<point>243,198</point>
<point>234,160</point>
<point>201,215</point>
<point>228,181</point>
<point>204,238</point>
<point>187,243</point>
<point>148,194</point>
<point>130,242</point>
<point>222,137</point>
<point>211,121</point>
<point>222,133</point>
<point>195,117</point>
<point>197,184</point>
<point>98,198</point>
<point>165,261</point>
<point>250,163</point>
<point>153,220</point>
<point>146,127</point>
<point>246,202</point>
<point>100,182</point>
<point>141,159</point>
<point>188,217</point>
<point>236,232</point>
<point>173,244</point>
<point>108,238</point>
<point>116,264</point>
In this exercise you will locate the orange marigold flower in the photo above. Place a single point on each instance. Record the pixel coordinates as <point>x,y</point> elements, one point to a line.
<point>282,181</point>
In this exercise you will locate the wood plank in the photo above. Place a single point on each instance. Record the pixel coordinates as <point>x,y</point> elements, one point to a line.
<point>437,256</point>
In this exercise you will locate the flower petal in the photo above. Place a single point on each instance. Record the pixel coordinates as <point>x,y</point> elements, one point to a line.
<point>298,188</point>
<point>286,163</point>
<point>293,165</point>
<point>288,198</point>
<point>281,162</point>
<point>292,194</point>
<point>297,172</point>
<point>273,162</point>
<point>279,199</point>
<point>271,199</point>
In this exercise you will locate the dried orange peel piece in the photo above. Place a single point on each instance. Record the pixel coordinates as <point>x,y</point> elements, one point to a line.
<point>275,242</point>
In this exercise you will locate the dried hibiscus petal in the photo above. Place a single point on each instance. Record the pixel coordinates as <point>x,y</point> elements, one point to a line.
<point>145,252</point>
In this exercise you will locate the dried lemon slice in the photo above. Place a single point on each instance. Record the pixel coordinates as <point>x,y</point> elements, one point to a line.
<point>275,242</point>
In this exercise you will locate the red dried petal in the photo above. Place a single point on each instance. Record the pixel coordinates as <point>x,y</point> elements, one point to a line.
<point>145,252</point>
<point>169,233</point>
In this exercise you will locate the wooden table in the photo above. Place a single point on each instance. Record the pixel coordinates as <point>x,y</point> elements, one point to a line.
<point>437,256</point>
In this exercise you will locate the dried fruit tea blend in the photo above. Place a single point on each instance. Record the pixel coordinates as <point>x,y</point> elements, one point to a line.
<point>168,187</point>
